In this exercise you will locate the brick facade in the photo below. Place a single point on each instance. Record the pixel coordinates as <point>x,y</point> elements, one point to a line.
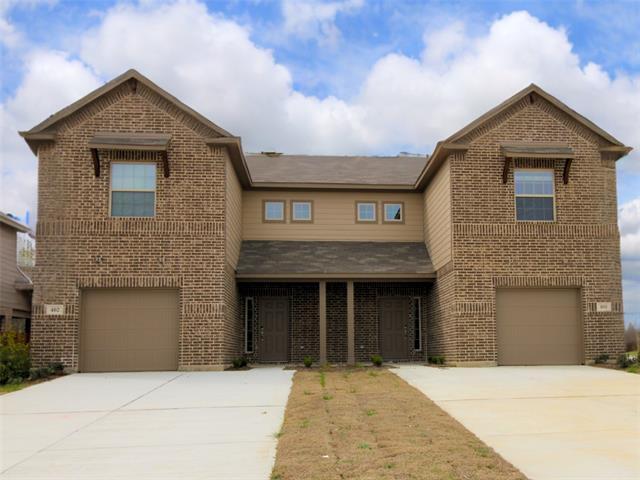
<point>81,246</point>
<point>491,250</point>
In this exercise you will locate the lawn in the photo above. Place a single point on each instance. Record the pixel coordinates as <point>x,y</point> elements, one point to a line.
<point>367,423</point>
<point>14,387</point>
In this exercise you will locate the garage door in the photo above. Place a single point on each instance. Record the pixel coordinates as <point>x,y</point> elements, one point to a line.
<point>129,330</point>
<point>539,327</point>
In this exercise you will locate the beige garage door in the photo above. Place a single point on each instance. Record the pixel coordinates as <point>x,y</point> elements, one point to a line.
<point>129,330</point>
<point>539,327</point>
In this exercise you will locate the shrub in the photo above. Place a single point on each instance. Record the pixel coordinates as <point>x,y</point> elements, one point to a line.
<point>240,362</point>
<point>604,358</point>
<point>624,361</point>
<point>14,358</point>
<point>308,361</point>
<point>376,360</point>
<point>57,368</point>
<point>42,372</point>
<point>436,359</point>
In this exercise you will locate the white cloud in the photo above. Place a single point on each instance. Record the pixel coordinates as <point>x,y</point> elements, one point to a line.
<point>51,81</point>
<point>314,19</point>
<point>629,220</point>
<point>10,36</point>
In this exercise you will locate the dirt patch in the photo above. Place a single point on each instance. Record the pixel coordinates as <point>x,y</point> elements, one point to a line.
<point>367,423</point>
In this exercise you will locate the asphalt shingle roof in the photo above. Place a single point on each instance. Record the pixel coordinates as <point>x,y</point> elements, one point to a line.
<point>399,170</point>
<point>265,257</point>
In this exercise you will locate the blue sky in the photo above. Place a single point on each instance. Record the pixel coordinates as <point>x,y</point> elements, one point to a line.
<point>345,76</point>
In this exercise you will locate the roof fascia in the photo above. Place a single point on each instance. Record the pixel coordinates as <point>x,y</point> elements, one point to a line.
<point>236,155</point>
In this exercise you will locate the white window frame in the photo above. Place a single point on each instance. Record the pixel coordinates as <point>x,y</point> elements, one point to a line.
<point>393,220</point>
<point>246,324</point>
<point>367,220</point>
<point>544,195</point>
<point>293,211</point>
<point>271,220</point>
<point>419,300</point>
<point>111,189</point>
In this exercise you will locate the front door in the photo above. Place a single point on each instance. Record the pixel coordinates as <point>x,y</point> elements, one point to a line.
<point>393,313</point>
<point>274,321</point>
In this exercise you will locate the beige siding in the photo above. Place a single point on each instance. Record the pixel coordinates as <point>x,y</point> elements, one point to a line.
<point>333,217</point>
<point>437,217</point>
<point>233,215</point>
<point>9,296</point>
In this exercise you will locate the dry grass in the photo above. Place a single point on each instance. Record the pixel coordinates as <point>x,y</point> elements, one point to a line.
<point>370,424</point>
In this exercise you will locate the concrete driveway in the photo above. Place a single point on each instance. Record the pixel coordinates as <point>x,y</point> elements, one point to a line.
<point>145,426</point>
<point>550,422</point>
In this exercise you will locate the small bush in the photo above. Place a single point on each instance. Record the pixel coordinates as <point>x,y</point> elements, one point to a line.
<point>240,362</point>
<point>604,358</point>
<point>624,361</point>
<point>14,358</point>
<point>308,361</point>
<point>42,372</point>
<point>376,360</point>
<point>57,368</point>
<point>436,359</point>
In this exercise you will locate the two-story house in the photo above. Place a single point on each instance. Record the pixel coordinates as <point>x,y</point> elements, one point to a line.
<point>163,246</point>
<point>15,285</point>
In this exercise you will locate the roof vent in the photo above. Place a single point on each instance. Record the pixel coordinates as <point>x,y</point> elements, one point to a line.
<point>271,154</point>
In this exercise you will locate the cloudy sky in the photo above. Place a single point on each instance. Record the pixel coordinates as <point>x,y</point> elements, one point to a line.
<point>344,76</point>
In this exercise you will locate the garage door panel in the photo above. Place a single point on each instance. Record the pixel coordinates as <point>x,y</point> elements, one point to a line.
<point>538,327</point>
<point>129,330</point>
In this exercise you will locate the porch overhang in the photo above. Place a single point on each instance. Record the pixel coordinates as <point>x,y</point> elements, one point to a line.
<point>274,260</point>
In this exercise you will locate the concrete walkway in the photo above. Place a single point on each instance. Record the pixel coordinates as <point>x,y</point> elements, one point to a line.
<point>145,426</point>
<point>578,423</point>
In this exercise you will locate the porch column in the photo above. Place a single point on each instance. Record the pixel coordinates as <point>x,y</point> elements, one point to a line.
<point>351,331</point>
<point>323,321</point>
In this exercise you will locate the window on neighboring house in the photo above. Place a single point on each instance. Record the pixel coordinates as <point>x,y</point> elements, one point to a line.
<point>416,313</point>
<point>366,211</point>
<point>133,189</point>
<point>249,324</point>
<point>301,211</point>
<point>273,211</point>
<point>393,212</point>
<point>535,196</point>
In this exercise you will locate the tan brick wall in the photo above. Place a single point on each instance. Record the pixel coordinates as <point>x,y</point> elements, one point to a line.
<point>80,245</point>
<point>490,249</point>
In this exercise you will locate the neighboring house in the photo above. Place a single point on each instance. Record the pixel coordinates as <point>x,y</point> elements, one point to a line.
<point>162,246</point>
<point>15,285</point>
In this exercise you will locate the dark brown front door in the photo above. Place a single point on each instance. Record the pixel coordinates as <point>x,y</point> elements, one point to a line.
<point>274,321</point>
<point>393,313</point>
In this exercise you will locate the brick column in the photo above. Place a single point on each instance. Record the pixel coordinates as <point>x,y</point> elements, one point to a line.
<point>322,286</point>
<point>351,341</point>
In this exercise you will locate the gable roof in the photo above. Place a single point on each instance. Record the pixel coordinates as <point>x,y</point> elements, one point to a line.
<point>453,143</point>
<point>319,170</point>
<point>131,74</point>
<point>45,131</point>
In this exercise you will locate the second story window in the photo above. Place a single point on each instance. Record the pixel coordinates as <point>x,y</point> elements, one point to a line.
<point>535,196</point>
<point>273,211</point>
<point>366,212</point>
<point>393,212</point>
<point>133,189</point>
<point>301,211</point>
